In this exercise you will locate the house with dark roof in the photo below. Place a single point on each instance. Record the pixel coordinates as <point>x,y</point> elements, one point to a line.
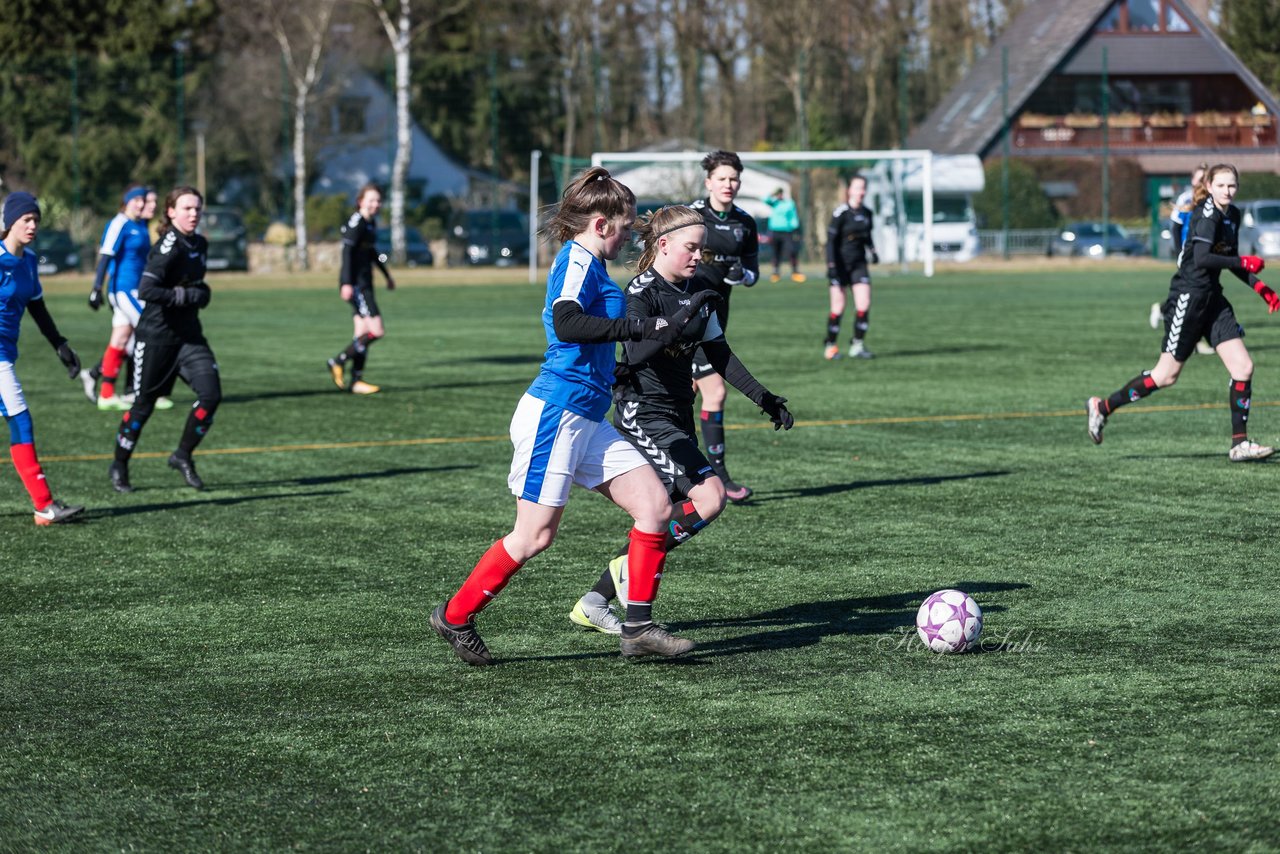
<point>1147,80</point>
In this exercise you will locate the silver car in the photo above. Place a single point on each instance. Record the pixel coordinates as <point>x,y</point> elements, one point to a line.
<point>1260,228</point>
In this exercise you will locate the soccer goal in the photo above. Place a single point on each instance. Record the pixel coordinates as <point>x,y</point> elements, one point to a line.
<point>922,202</point>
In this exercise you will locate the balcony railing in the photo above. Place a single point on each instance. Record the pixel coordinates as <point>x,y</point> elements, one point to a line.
<point>1159,130</point>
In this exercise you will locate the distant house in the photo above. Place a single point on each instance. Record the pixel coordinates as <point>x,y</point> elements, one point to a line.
<point>355,138</point>
<point>1176,94</point>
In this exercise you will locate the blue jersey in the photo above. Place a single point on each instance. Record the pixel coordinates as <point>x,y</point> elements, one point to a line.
<point>126,242</point>
<point>19,285</point>
<point>579,377</point>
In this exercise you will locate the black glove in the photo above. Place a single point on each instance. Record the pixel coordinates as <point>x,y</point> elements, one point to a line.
<point>391,283</point>
<point>198,294</point>
<point>875,256</point>
<point>738,275</point>
<point>95,299</point>
<point>70,359</point>
<point>178,295</point>
<point>667,330</point>
<point>775,407</point>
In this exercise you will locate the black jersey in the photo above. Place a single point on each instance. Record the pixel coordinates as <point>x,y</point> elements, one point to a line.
<point>1212,245</point>
<point>177,260</point>
<point>848,240</point>
<point>359,251</point>
<point>731,238</point>
<point>665,378</point>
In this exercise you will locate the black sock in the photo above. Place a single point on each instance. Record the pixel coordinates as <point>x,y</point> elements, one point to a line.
<point>96,370</point>
<point>1238,400</point>
<point>833,327</point>
<point>713,438</point>
<point>638,613</point>
<point>861,322</point>
<point>1136,389</point>
<point>199,420</point>
<point>357,347</point>
<point>685,522</point>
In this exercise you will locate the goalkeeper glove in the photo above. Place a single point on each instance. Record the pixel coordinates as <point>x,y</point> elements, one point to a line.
<point>775,408</point>
<point>1252,264</point>
<point>1273,301</point>
<point>95,299</point>
<point>69,358</point>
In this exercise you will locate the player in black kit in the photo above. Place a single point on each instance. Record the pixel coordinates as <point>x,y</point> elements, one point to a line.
<point>653,395</point>
<point>355,283</point>
<point>730,258</point>
<point>1197,308</point>
<point>849,251</point>
<point>169,342</point>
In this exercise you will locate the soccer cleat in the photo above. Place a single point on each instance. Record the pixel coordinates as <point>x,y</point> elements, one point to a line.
<point>162,403</point>
<point>799,278</point>
<point>652,639</point>
<point>187,467</point>
<point>465,640</point>
<point>1093,406</point>
<point>335,370</point>
<point>736,492</point>
<point>598,618</point>
<point>831,352</point>
<point>57,512</point>
<point>1248,451</point>
<point>618,569</point>
<point>362,387</point>
<point>119,474</point>
<point>858,350</point>
<point>1204,348</point>
<point>115,403</point>
<point>775,278</point>
<point>1157,315</point>
<point>90,386</point>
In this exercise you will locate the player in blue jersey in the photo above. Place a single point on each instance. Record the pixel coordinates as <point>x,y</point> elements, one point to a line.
<point>559,429</point>
<point>1199,308</point>
<point>122,257</point>
<point>355,284</point>
<point>20,293</point>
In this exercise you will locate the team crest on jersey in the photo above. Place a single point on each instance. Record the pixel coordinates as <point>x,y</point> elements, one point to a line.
<point>167,245</point>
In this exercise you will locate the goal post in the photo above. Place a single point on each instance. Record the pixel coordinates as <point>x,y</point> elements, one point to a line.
<point>895,179</point>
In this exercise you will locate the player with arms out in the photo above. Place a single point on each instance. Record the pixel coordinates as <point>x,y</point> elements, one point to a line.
<point>730,259</point>
<point>653,395</point>
<point>849,252</point>
<point>170,341</point>
<point>355,284</point>
<point>20,293</point>
<point>559,432</point>
<point>1197,307</point>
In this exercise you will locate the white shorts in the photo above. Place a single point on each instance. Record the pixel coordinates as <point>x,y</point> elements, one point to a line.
<point>555,448</point>
<point>11,400</point>
<point>128,308</point>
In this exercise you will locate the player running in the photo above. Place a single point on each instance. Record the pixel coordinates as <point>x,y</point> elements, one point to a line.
<point>559,432</point>
<point>20,293</point>
<point>355,284</point>
<point>170,341</point>
<point>1197,307</point>
<point>731,258</point>
<point>653,395</point>
<point>849,250</point>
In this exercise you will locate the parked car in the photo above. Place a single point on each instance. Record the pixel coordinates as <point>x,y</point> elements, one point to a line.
<point>489,236</point>
<point>417,252</point>
<point>1085,239</point>
<point>56,252</point>
<point>1260,228</point>
<point>228,238</point>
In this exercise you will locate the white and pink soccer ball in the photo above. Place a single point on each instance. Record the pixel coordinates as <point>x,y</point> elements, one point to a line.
<point>949,621</point>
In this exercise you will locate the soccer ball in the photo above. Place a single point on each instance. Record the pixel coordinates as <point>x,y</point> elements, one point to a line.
<point>949,621</point>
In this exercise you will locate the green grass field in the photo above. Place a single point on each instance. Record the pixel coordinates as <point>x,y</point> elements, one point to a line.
<point>250,667</point>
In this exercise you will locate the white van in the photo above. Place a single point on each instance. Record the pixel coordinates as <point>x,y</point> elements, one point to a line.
<point>893,185</point>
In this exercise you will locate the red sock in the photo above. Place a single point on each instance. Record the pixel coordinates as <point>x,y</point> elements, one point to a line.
<point>112,359</point>
<point>24,460</point>
<point>485,582</point>
<point>645,556</point>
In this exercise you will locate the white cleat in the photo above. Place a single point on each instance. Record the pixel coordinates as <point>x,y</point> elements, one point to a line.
<point>1157,315</point>
<point>1248,451</point>
<point>618,569</point>
<point>1204,348</point>
<point>1093,406</point>
<point>90,386</point>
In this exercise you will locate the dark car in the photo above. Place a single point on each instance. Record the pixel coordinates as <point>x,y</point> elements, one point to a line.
<point>56,253</point>
<point>489,236</point>
<point>417,252</point>
<point>228,238</point>
<point>1085,240</point>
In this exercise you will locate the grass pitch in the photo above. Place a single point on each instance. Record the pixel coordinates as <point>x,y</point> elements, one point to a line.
<point>250,667</point>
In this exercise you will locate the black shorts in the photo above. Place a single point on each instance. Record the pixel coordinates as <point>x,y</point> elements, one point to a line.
<point>855,275</point>
<point>158,364</point>
<point>363,304</point>
<point>1192,315</point>
<point>668,441</point>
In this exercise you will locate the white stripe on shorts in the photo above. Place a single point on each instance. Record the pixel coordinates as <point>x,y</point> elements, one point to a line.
<point>12,401</point>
